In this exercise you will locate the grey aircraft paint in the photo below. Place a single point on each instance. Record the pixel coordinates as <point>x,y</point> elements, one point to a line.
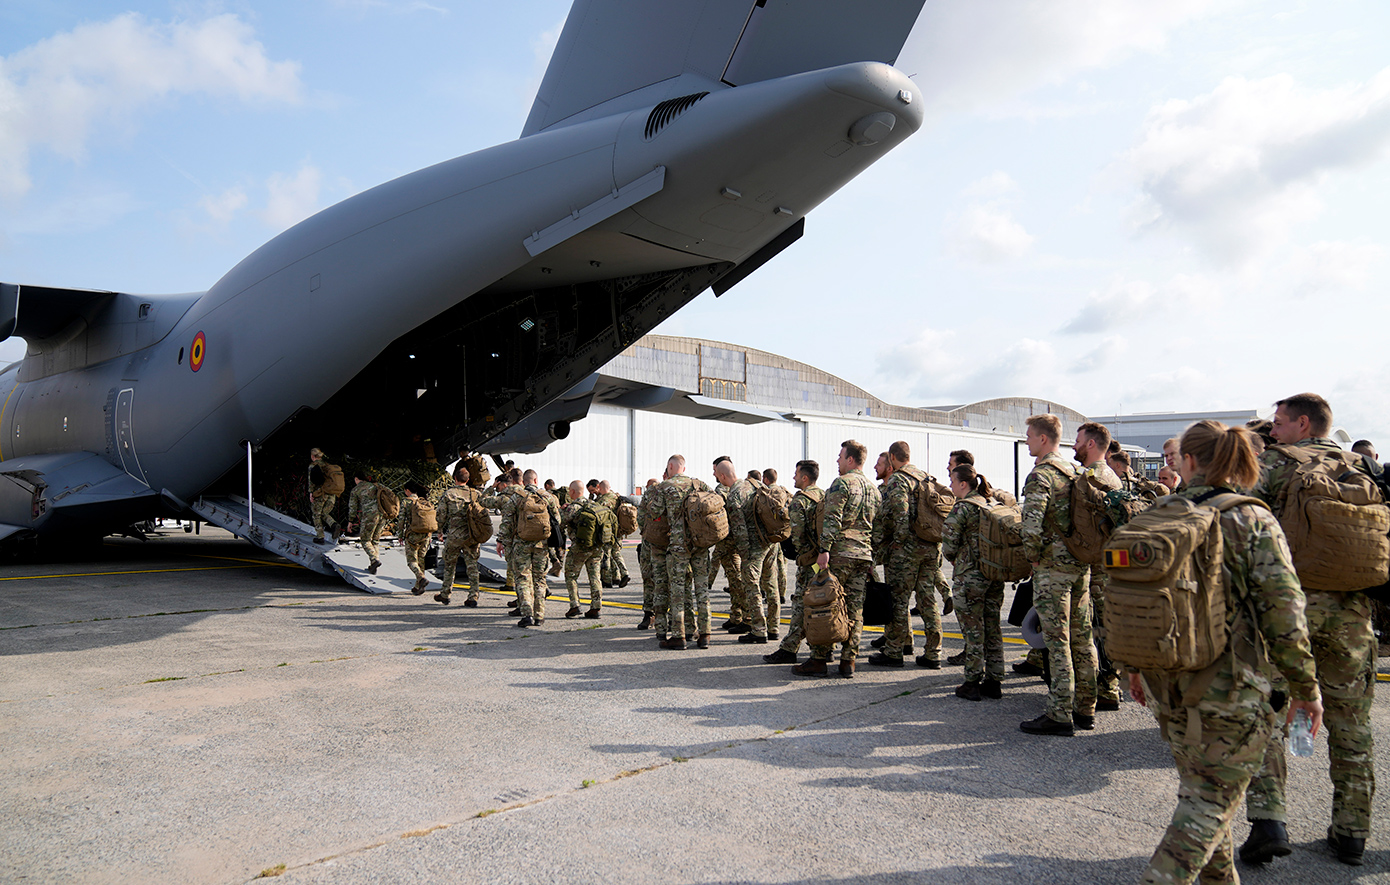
<point>672,147</point>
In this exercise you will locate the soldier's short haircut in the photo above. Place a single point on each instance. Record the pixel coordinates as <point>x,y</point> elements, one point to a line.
<point>1048,425</point>
<point>530,477</point>
<point>514,475</point>
<point>1096,433</point>
<point>550,483</point>
<point>418,489</point>
<point>1363,447</point>
<point>963,456</point>
<point>722,458</point>
<point>856,450</point>
<point>755,475</point>
<point>316,451</point>
<point>365,477</point>
<point>678,460</point>
<point>901,450</point>
<point>1119,456</point>
<point>591,484</point>
<point>1264,429</point>
<point>809,469</point>
<point>1114,446</point>
<point>461,474</point>
<point>1312,407</point>
<point>1172,441</point>
<point>770,475</point>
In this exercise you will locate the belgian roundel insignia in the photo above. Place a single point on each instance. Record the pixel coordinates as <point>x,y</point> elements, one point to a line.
<point>1142,553</point>
<point>197,352</point>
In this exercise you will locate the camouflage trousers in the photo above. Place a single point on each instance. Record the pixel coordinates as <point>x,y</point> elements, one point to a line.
<point>797,630</point>
<point>526,565</point>
<point>1344,649</point>
<point>1214,765</point>
<point>1064,608</point>
<point>779,572</point>
<point>586,559</point>
<point>1107,674</point>
<point>454,550</point>
<point>978,604</point>
<point>369,534</point>
<point>644,564</point>
<point>614,569</point>
<point>854,574</point>
<point>909,570</point>
<point>729,559</point>
<point>759,589</point>
<point>416,545</point>
<point>322,509</point>
<point>687,576</point>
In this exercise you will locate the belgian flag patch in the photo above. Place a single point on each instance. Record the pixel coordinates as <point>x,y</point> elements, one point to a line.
<point>1117,559</point>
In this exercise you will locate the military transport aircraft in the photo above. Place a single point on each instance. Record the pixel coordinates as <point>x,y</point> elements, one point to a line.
<point>672,147</point>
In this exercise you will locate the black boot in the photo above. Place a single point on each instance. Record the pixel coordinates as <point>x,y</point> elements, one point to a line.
<point>1268,839</point>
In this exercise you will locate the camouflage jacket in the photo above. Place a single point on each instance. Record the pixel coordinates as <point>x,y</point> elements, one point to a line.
<point>452,509</point>
<point>363,501</point>
<point>644,503</point>
<point>497,502</point>
<point>668,503</point>
<point>507,530</point>
<point>743,521</point>
<point>851,503</point>
<point>567,512</point>
<point>1276,469</point>
<point>803,513</point>
<point>960,538</point>
<point>1047,513</point>
<point>1259,567</point>
<point>893,524</point>
<point>609,500</point>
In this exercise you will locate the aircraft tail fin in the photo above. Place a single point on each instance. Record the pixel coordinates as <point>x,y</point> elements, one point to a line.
<point>616,55</point>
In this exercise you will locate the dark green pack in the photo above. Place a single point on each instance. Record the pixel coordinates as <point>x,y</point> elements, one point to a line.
<point>587,532</point>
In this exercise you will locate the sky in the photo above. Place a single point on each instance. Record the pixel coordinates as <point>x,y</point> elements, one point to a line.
<point>1117,205</point>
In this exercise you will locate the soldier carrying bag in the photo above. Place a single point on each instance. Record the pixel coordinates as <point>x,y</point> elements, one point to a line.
<point>1335,520</point>
<point>931,505</point>
<point>532,518</point>
<point>333,482</point>
<point>1090,522</point>
<point>1001,541</point>
<point>387,504</point>
<point>774,519</point>
<point>422,517</point>
<point>587,532</point>
<point>478,474</point>
<point>706,523</point>
<point>824,618</point>
<point>479,521</point>
<point>627,519</point>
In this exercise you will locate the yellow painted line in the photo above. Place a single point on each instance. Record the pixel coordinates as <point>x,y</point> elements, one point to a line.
<point>148,571</point>
<point>266,562</point>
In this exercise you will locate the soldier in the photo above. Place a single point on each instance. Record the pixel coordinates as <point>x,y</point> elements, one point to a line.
<point>1169,477</point>
<point>978,599</point>
<point>686,566</point>
<point>580,556</point>
<point>1170,460</point>
<point>1344,649</point>
<point>1092,444</point>
<point>614,570</point>
<point>644,558</point>
<point>503,489</point>
<point>414,525</point>
<point>803,514</point>
<point>725,554</point>
<point>362,510</point>
<point>776,562</point>
<point>910,565</point>
<point>322,498</point>
<point>1218,720</point>
<point>555,547</point>
<point>1059,586</point>
<point>457,535</point>
<point>846,548</point>
<point>752,550</point>
<point>526,560</point>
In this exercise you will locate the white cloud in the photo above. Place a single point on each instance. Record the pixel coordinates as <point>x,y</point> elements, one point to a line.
<point>1332,267</point>
<point>935,366</point>
<point>1132,302</point>
<point>986,230</point>
<point>1239,167</point>
<point>54,93</point>
<point>395,7</point>
<point>291,198</point>
<point>964,54</point>
<point>222,207</point>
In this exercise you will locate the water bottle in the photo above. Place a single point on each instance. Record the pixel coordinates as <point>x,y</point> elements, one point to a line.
<point>1301,734</point>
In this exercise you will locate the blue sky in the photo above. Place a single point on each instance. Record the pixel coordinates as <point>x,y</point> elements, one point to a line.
<point>1114,204</point>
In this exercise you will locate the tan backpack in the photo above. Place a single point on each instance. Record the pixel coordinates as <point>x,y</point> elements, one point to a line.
<point>478,474</point>
<point>479,520</point>
<point>706,522</point>
<point>532,517</point>
<point>1090,522</point>
<point>1168,600</point>
<point>824,618</point>
<point>657,531</point>
<point>770,508</point>
<point>931,505</point>
<point>387,504</point>
<point>627,519</point>
<point>1336,521</point>
<point>422,517</point>
<point>333,481</point>
<point>1001,541</point>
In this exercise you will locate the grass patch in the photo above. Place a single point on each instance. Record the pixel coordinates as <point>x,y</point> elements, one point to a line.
<point>419,648</point>
<point>679,759</point>
<point>486,812</point>
<point>164,679</point>
<point>584,785</point>
<point>283,664</point>
<point>272,872</point>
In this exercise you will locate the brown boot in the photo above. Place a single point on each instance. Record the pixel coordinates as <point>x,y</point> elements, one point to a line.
<point>703,641</point>
<point>674,642</point>
<point>847,669</point>
<point>810,668</point>
<point>420,584</point>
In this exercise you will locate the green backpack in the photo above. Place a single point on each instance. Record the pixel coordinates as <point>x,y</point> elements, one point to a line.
<point>587,532</point>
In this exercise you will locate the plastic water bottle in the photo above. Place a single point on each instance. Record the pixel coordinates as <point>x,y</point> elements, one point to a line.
<point>1301,734</point>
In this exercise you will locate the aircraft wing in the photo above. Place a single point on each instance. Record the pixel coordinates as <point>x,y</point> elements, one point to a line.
<point>616,55</point>
<point>37,488</point>
<point>36,313</point>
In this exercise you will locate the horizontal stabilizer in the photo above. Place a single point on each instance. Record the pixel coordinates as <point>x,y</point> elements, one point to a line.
<point>37,313</point>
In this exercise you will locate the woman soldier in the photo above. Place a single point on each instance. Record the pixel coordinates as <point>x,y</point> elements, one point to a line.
<point>977,598</point>
<point>1220,748</point>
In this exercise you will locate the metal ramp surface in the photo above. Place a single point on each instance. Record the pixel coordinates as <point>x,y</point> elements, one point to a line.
<point>267,529</point>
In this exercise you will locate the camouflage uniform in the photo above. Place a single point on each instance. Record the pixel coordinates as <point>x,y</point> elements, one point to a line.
<point>910,565</point>
<point>362,503</point>
<point>416,543</point>
<point>686,568</point>
<point>851,503</point>
<point>1344,647</point>
<point>496,501</point>
<point>1059,590</point>
<point>725,554</point>
<point>1107,678</point>
<point>978,599</point>
<point>321,505</point>
<point>527,560</point>
<point>758,589</point>
<point>581,558</point>
<point>803,513</point>
<point>453,523</point>
<point>644,554</point>
<point>777,564</point>
<point>614,569</point>
<point>1218,736</point>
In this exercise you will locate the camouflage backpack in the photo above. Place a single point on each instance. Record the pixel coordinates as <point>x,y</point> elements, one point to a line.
<point>657,531</point>
<point>422,517</point>
<point>1090,524</point>
<point>1167,600</point>
<point>824,618</point>
<point>608,525</point>
<point>627,519</point>
<point>931,504</point>
<point>1336,521</point>
<point>587,532</point>
<point>1001,541</point>
<point>387,504</point>
<point>478,474</point>
<point>532,517</point>
<point>774,519</point>
<point>706,522</point>
<point>1122,505</point>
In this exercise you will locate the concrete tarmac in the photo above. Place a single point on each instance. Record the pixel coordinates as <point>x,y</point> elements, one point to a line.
<point>189,709</point>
